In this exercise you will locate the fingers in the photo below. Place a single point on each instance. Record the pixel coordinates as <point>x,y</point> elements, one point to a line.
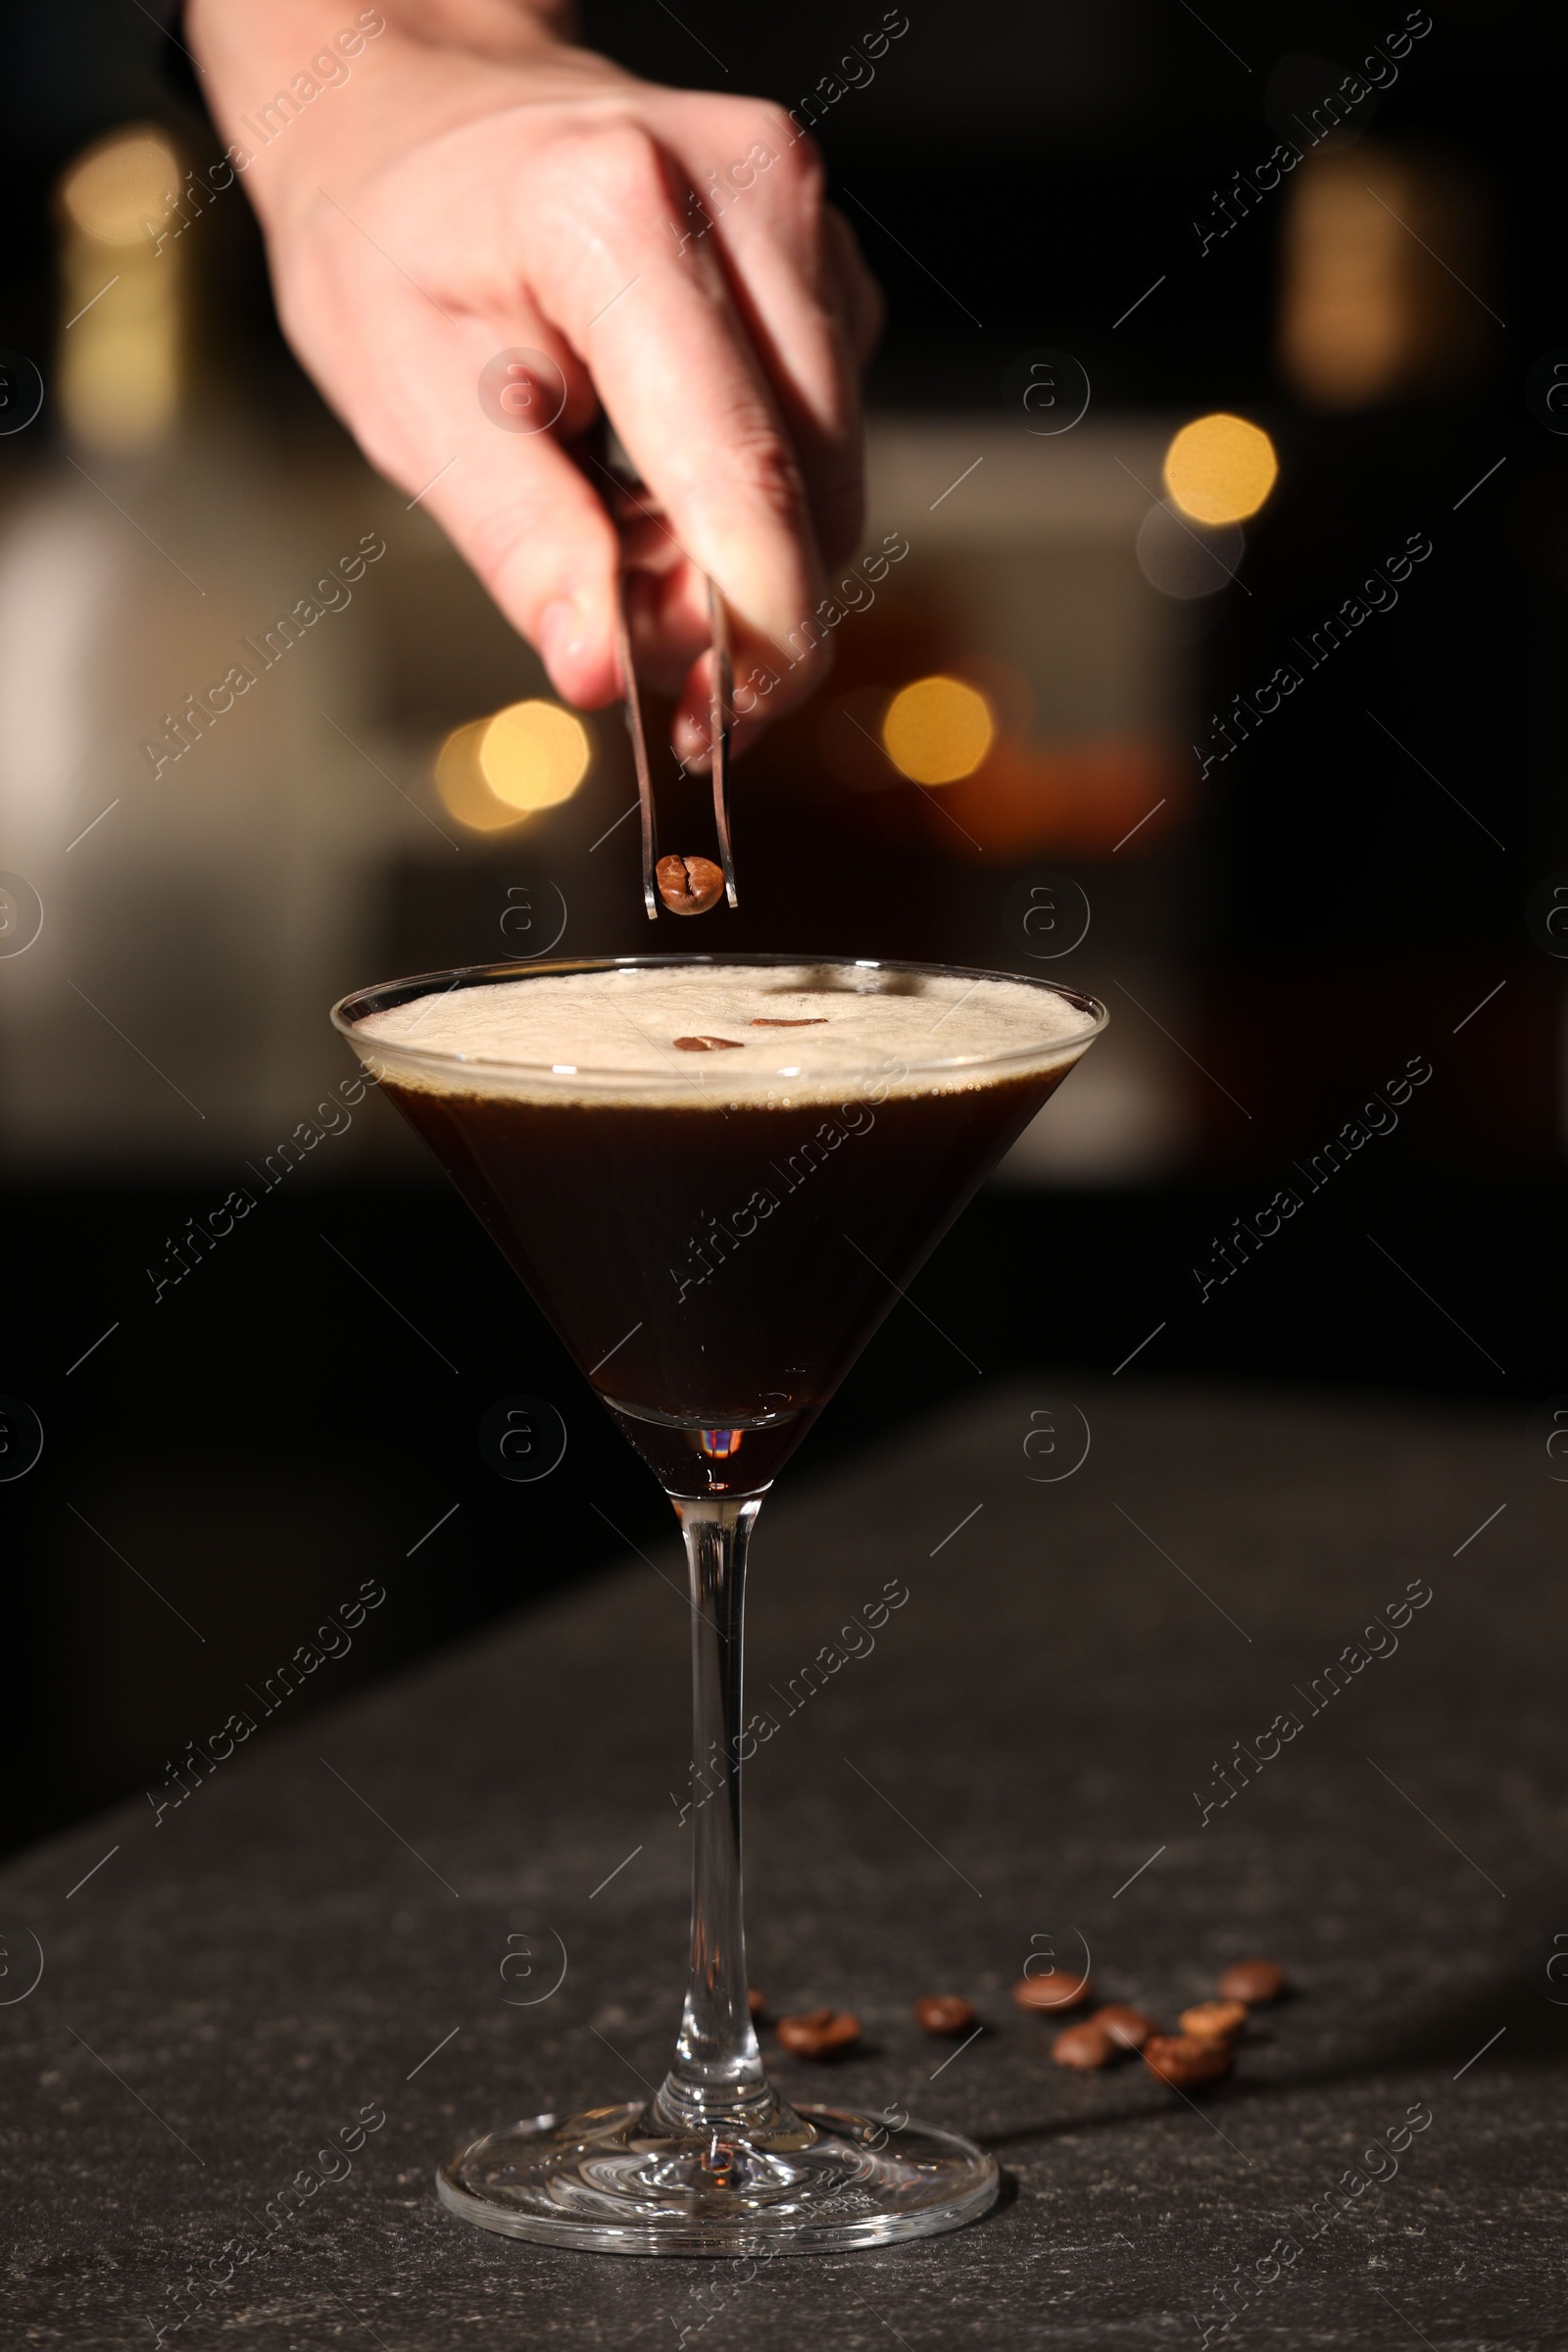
<point>677,374</point>
<point>540,539</point>
<point>808,305</point>
<point>727,361</point>
<point>529,512</point>
<point>404,372</point>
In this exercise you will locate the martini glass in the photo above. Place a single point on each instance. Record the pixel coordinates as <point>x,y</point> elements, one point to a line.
<point>716,1243</point>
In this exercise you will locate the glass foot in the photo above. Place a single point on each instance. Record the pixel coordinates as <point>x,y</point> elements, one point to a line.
<point>615,2180</point>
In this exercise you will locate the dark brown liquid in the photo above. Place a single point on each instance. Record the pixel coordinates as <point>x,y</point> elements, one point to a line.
<point>716,1272</point>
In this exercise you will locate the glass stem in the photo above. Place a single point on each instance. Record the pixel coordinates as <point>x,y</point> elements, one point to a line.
<point>717,2085</point>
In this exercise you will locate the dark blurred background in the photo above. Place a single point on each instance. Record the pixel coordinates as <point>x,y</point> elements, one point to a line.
<point>1070,208</point>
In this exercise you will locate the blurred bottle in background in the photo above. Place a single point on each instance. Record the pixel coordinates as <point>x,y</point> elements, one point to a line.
<point>187,659</point>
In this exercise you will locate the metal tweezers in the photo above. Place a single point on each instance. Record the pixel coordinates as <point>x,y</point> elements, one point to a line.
<point>721,709</point>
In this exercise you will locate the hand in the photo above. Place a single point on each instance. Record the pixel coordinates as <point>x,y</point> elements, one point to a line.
<point>473,185</point>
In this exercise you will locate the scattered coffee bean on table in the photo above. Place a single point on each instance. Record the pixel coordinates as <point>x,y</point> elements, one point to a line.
<point>1129,2028</point>
<point>1184,2061</point>
<point>1254,1981</point>
<point>1215,2020</point>
<point>1083,2048</point>
<point>819,2033</point>
<point>944,2012</point>
<point>756,2003</point>
<point>1059,1992</point>
<point>707,1045</point>
<point>689,885</point>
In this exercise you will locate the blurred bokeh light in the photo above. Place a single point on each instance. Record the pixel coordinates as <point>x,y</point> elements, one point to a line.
<point>116,185</point>
<point>937,731</point>
<point>1383,254</point>
<point>533,754</point>
<point>1220,469</point>
<point>493,772</point>
<point>120,344</point>
<point>460,780</point>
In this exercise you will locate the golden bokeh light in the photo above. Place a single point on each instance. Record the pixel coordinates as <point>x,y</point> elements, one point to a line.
<point>112,191</point>
<point>121,353</point>
<point>1220,469</point>
<point>533,754</point>
<point>460,781</point>
<point>493,772</point>
<point>1369,311</point>
<point>937,731</point>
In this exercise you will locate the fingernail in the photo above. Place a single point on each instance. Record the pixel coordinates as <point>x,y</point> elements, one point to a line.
<point>559,630</point>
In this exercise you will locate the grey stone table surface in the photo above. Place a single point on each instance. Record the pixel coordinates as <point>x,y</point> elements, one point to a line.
<point>314,1940</point>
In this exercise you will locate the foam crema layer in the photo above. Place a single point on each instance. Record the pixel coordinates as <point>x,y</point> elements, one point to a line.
<point>783,1033</point>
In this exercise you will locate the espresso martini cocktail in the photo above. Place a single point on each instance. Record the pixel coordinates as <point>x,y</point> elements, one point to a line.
<point>717,1176</point>
<point>714,1178</point>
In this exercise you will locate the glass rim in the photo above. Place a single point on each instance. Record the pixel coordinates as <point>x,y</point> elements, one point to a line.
<point>351,1009</point>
